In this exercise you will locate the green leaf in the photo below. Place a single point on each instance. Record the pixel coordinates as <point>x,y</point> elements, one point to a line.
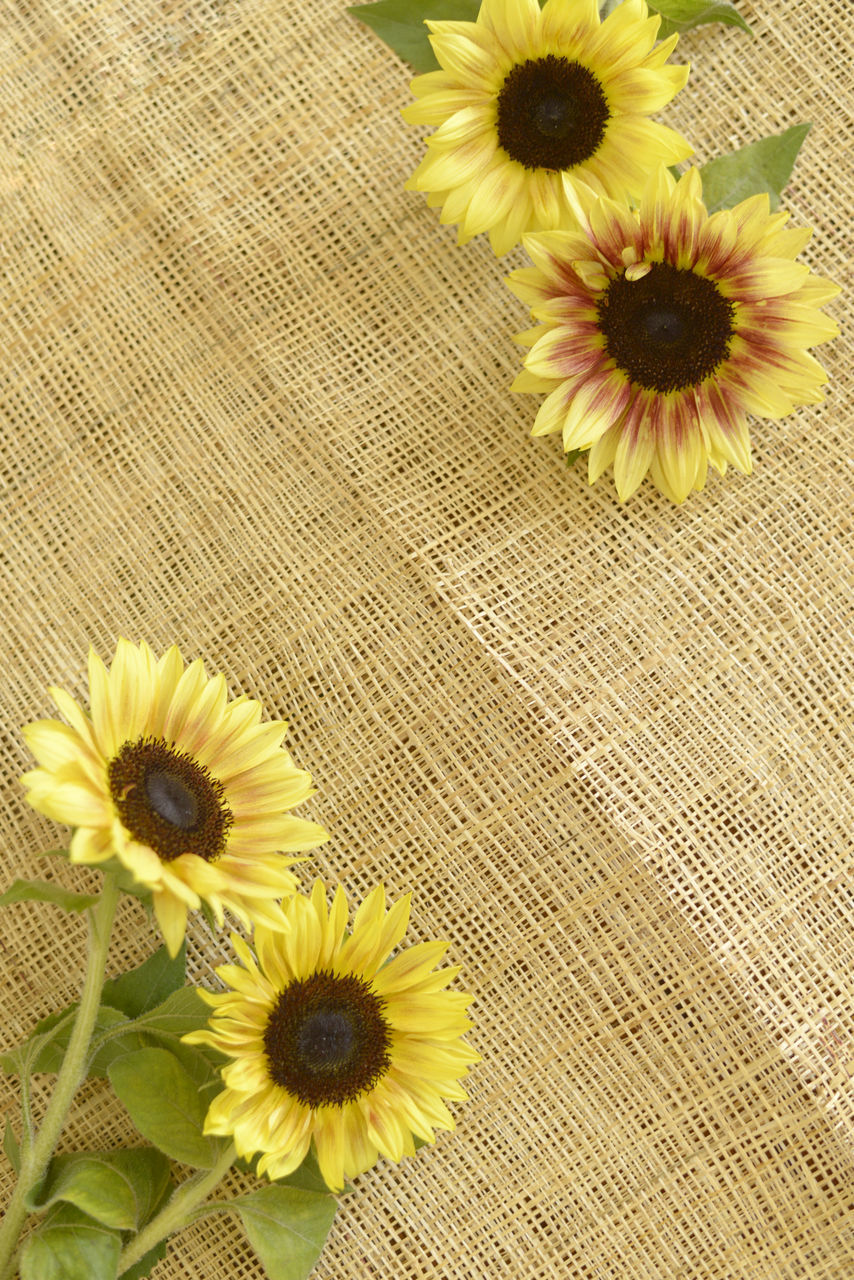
<point>47,891</point>
<point>107,1047</point>
<point>36,1053</point>
<point>209,917</point>
<point>69,1245</point>
<point>116,1188</point>
<point>684,15</point>
<point>45,1049</point>
<point>142,989</point>
<point>572,456</point>
<point>195,1061</point>
<point>181,1012</point>
<point>287,1227</point>
<point>124,878</point>
<point>11,1146</point>
<point>166,1105</point>
<point>142,1269</point>
<point>765,165</point>
<point>401,24</point>
<point>22,1059</point>
<point>607,6</point>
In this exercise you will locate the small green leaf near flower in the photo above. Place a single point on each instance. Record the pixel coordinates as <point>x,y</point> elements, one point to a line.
<point>144,988</point>
<point>166,1105</point>
<point>69,1245</point>
<point>287,1227</point>
<point>163,1027</point>
<point>765,165</point>
<point>400,23</point>
<point>47,891</point>
<point>181,1012</point>
<point>685,15</point>
<point>125,879</point>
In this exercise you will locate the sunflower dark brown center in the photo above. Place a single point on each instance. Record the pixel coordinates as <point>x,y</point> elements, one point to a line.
<point>669,330</point>
<point>552,113</point>
<point>326,1039</point>
<point>168,801</point>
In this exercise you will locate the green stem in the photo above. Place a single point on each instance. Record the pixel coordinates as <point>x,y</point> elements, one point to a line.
<point>38,1153</point>
<point>178,1211</point>
<point>26,1114</point>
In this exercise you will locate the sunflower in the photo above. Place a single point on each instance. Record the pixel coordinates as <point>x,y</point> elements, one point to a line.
<point>528,102</point>
<point>331,1043</point>
<point>187,790</point>
<point>662,327</point>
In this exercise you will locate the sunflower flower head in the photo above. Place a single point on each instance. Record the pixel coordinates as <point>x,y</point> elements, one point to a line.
<point>188,790</point>
<point>660,328</point>
<point>530,102</point>
<point>332,1042</point>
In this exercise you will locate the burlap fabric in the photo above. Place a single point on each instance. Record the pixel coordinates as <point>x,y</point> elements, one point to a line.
<point>255,400</point>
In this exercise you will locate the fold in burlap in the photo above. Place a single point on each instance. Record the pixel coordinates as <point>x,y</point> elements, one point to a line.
<point>255,400</point>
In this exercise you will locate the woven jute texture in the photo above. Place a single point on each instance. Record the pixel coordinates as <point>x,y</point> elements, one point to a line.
<point>255,401</point>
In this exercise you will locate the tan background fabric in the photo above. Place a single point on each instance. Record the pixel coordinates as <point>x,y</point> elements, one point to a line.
<point>254,399</point>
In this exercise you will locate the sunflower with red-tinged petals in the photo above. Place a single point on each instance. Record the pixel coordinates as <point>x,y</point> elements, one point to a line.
<point>660,328</point>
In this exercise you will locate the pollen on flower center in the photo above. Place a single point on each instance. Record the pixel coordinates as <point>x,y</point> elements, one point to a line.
<point>669,329</point>
<point>168,801</point>
<point>552,113</point>
<point>326,1039</point>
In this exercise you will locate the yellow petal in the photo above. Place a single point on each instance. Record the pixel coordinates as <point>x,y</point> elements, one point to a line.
<point>463,126</point>
<point>106,732</point>
<point>632,458</point>
<point>172,918</point>
<point>472,65</point>
<point>602,453</point>
<point>493,198</point>
<point>90,846</point>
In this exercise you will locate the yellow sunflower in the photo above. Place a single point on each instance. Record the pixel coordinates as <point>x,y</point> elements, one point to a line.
<point>529,101</point>
<point>662,327</point>
<point>187,789</point>
<point>329,1042</point>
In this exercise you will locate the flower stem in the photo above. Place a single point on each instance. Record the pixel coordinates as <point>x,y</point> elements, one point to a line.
<point>36,1155</point>
<point>178,1211</point>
